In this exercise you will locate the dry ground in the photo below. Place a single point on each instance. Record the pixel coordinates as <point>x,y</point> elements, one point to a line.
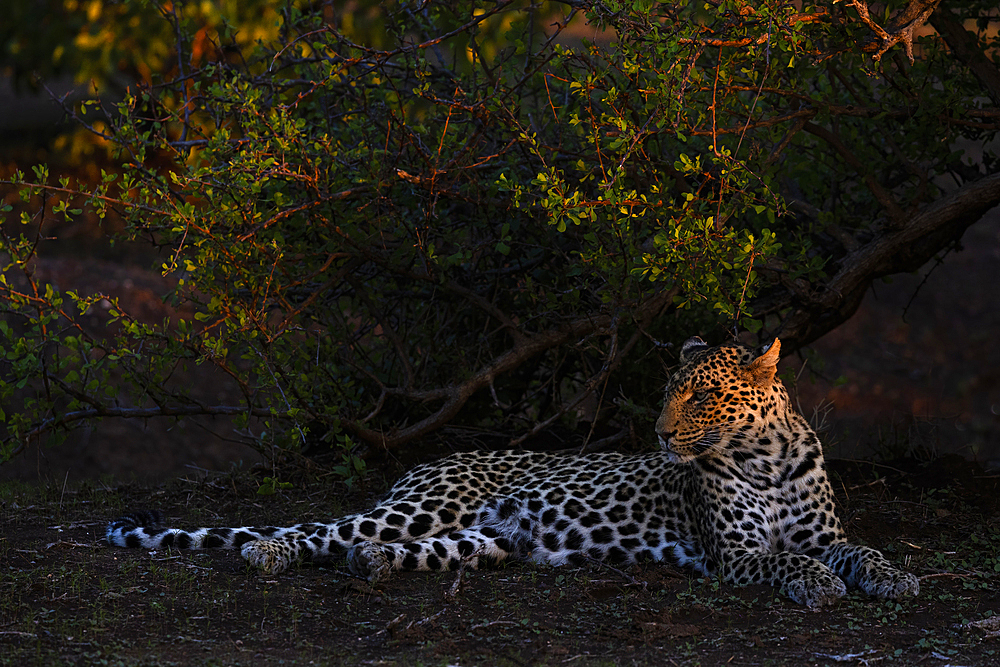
<point>66,598</point>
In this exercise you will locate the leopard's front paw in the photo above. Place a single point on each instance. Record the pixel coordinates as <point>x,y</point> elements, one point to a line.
<point>369,561</point>
<point>816,592</point>
<point>272,556</point>
<point>890,584</point>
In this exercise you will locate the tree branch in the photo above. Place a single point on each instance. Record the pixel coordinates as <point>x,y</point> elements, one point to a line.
<point>890,251</point>
<point>524,349</point>
<point>881,194</point>
<point>964,45</point>
<point>68,418</point>
<point>900,27</point>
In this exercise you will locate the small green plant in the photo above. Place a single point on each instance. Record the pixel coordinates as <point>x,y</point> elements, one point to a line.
<point>271,485</point>
<point>352,467</point>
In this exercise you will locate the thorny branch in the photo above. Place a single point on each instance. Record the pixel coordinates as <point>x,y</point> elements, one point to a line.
<point>899,29</point>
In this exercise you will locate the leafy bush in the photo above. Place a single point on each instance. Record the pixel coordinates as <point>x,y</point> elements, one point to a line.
<point>478,217</point>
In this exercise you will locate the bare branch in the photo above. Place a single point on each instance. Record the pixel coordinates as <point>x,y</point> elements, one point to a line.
<point>530,346</point>
<point>900,27</point>
<point>892,208</point>
<point>966,49</point>
<point>891,251</point>
<point>69,418</point>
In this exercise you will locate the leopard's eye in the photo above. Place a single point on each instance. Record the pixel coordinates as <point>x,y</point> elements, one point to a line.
<point>699,397</point>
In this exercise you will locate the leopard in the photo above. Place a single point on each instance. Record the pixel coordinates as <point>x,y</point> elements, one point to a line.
<point>737,489</point>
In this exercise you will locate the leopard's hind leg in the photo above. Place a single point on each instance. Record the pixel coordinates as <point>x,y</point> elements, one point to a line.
<point>504,529</point>
<point>396,522</point>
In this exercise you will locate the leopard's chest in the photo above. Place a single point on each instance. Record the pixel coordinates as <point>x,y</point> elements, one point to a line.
<point>733,512</point>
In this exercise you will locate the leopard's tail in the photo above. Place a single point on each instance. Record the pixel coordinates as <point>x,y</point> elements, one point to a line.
<point>145,530</point>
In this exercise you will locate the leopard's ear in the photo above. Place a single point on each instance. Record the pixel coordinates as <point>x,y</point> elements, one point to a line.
<point>761,370</point>
<point>690,346</point>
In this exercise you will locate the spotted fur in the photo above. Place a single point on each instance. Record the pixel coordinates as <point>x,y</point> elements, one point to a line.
<point>739,489</point>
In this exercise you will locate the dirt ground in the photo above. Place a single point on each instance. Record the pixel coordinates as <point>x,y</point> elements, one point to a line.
<point>67,598</point>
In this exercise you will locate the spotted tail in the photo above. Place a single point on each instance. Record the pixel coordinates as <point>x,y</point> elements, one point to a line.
<point>145,530</point>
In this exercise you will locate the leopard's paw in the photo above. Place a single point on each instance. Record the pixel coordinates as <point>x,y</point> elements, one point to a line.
<point>816,592</point>
<point>272,556</point>
<point>369,561</point>
<point>891,584</point>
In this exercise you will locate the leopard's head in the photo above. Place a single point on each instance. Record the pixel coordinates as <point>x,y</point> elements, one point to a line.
<point>717,397</point>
